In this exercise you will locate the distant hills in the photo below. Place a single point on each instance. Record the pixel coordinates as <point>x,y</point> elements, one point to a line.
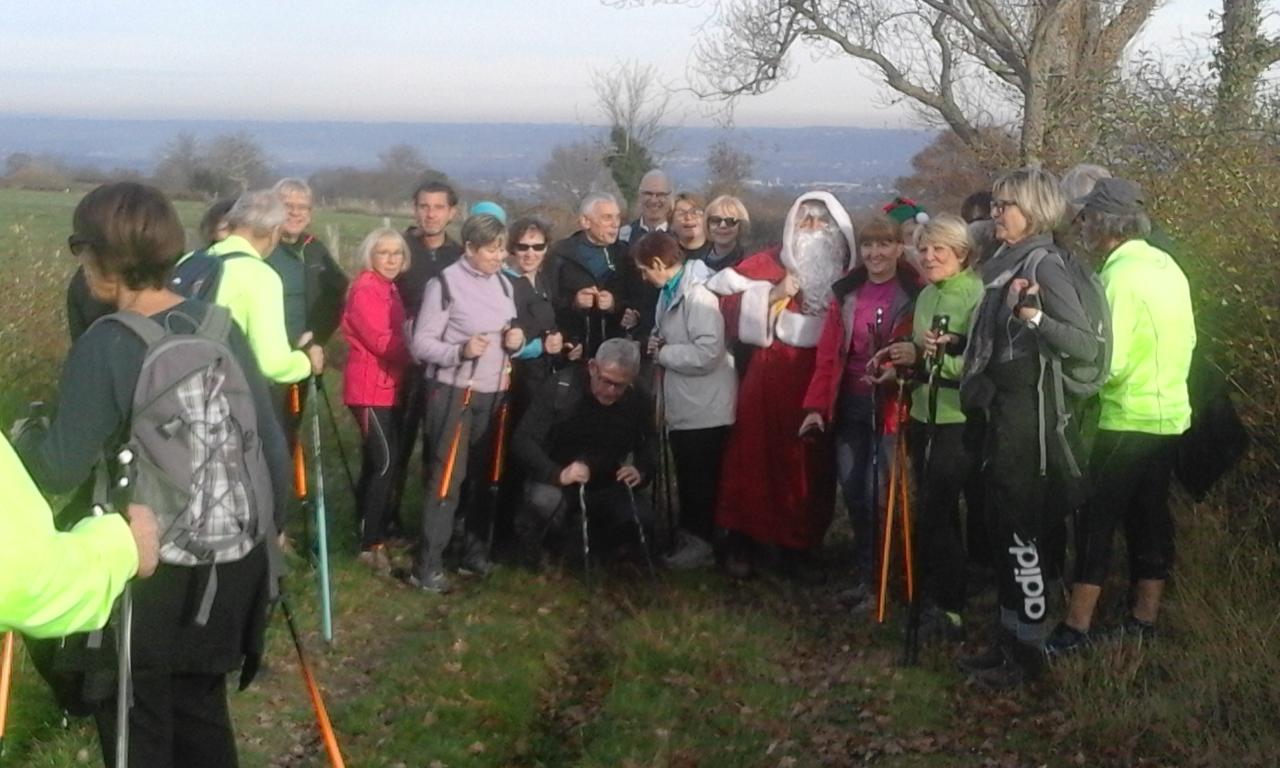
<point>481,155</point>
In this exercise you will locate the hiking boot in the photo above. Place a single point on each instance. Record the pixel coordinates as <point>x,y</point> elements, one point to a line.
<point>1005,676</point>
<point>376,559</point>
<point>476,565</point>
<point>939,625</point>
<point>691,553</point>
<point>1133,629</point>
<point>436,583</point>
<point>1065,641</point>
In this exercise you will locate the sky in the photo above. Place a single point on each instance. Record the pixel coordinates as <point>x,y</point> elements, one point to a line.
<point>409,60</point>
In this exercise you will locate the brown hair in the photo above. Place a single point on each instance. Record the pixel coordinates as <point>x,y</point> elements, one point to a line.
<point>657,250</point>
<point>697,201</point>
<point>132,231</point>
<point>879,229</point>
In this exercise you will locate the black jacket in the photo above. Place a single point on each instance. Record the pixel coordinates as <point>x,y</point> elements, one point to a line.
<point>82,308</point>
<point>568,275</point>
<point>565,423</point>
<point>424,264</point>
<point>315,287</point>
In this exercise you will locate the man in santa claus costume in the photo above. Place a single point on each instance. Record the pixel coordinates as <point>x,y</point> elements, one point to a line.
<point>778,488</point>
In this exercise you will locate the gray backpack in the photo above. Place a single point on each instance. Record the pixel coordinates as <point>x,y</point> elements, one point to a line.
<point>193,453</point>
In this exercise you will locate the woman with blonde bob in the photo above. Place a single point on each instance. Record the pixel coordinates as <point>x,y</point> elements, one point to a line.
<point>937,422</point>
<point>373,323</point>
<point>1030,315</point>
<point>728,227</point>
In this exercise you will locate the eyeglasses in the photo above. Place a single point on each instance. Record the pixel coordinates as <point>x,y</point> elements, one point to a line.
<point>77,243</point>
<point>297,208</point>
<point>535,247</point>
<point>689,213</point>
<point>610,383</point>
<point>728,221</point>
<point>647,193</point>
<point>998,206</point>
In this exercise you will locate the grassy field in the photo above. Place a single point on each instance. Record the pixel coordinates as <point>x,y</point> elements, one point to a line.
<point>691,670</point>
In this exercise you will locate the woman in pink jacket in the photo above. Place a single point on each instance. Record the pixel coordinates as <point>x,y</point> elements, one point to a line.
<point>374,325</point>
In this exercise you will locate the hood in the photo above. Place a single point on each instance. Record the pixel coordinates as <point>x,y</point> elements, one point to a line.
<point>838,214</point>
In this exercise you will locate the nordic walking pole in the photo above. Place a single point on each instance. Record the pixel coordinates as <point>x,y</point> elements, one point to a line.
<point>499,458</point>
<point>586,537</point>
<point>451,458</point>
<point>911,652</point>
<point>322,522</point>
<point>337,437</point>
<point>644,541</point>
<point>300,463</point>
<point>904,471</point>
<point>313,690</point>
<point>124,675</point>
<point>6,680</point>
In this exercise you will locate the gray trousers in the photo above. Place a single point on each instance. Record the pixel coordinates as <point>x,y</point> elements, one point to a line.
<point>472,424</point>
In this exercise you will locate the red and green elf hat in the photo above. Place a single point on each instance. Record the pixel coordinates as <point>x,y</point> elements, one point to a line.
<point>901,209</point>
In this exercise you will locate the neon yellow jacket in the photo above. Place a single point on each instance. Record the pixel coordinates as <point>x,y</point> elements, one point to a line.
<point>1155,333</point>
<point>53,583</point>
<point>252,291</point>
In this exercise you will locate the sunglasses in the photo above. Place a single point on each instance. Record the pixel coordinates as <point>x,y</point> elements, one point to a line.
<point>535,247</point>
<point>728,221</point>
<point>77,243</point>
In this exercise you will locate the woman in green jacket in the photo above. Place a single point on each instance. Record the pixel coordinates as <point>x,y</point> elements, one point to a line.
<point>953,291</point>
<point>54,584</point>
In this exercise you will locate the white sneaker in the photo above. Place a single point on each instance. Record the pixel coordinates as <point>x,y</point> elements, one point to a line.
<point>691,553</point>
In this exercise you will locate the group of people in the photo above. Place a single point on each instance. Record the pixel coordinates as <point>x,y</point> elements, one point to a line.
<point>564,386</point>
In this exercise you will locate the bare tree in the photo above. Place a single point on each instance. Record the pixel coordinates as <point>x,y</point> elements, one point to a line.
<point>1243,53</point>
<point>239,160</point>
<point>728,168</point>
<point>403,158</point>
<point>635,104</point>
<point>963,64</point>
<point>572,171</point>
<point>177,163</point>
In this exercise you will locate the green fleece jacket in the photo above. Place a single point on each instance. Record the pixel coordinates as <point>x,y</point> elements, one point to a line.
<point>253,292</point>
<point>955,297</point>
<point>52,583</point>
<point>1154,334</point>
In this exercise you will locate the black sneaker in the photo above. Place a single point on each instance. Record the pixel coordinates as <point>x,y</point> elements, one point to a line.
<point>991,658</point>
<point>436,583</point>
<point>1066,640</point>
<point>476,566</point>
<point>1133,629</point>
<point>1005,676</point>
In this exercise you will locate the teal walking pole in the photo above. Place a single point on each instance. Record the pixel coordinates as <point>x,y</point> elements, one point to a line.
<point>322,519</point>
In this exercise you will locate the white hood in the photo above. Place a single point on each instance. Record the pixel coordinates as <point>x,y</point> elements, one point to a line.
<point>838,214</point>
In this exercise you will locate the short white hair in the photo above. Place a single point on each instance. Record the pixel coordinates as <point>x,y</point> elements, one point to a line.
<point>1080,180</point>
<point>656,173</point>
<point>371,240</point>
<point>590,202</point>
<point>260,211</point>
<point>291,184</point>
<point>623,353</point>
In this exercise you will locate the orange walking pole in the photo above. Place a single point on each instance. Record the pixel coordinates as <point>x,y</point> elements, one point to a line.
<point>451,460</point>
<point>887,539</point>
<point>299,461</point>
<point>6,680</point>
<point>908,561</point>
<point>327,735</point>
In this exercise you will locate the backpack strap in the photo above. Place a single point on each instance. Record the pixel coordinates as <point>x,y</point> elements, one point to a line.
<point>143,327</point>
<point>216,324</point>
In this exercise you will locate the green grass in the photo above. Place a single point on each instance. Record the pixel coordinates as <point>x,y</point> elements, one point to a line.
<point>695,670</point>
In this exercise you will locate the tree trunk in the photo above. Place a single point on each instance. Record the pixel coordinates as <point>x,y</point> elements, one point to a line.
<point>1242,55</point>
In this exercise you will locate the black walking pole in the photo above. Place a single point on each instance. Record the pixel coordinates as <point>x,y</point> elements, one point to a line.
<point>644,540</point>
<point>337,436</point>
<point>911,650</point>
<point>586,536</point>
<point>876,332</point>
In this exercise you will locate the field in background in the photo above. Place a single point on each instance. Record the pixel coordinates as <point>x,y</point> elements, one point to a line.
<point>692,671</point>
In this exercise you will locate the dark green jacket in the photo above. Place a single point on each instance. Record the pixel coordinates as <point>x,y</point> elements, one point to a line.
<point>315,287</point>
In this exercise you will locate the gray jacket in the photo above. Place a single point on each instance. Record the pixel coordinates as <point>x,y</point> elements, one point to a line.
<point>699,385</point>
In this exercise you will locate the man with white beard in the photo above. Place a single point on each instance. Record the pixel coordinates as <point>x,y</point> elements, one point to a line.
<point>777,488</point>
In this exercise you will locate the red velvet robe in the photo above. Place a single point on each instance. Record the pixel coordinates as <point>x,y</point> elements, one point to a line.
<point>774,487</point>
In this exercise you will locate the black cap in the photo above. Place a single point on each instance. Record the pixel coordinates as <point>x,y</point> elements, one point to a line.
<point>1114,196</point>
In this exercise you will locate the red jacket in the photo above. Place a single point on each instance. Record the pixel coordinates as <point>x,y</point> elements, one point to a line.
<point>837,339</point>
<point>373,322</point>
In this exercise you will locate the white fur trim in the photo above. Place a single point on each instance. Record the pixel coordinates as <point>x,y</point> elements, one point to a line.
<point>755,321</point>
<point>798,330</point>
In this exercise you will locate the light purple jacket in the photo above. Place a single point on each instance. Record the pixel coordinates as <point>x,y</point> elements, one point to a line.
<point>478,303</point>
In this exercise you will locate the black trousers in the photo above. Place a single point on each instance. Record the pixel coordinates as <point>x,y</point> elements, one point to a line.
<point>939,531</point>
<point>611,518</point>
<point>1131,472</point>
<point>449,415</point>
<point>697,454</point>
<point>413,403</point>
<point>379,470</point>
<point>177,721</point>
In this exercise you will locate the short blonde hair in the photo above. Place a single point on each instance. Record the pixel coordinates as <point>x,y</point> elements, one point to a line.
<point>948,230</point>
<point>728,205</point>
<point>1037,194</point>
<point>371,241</point>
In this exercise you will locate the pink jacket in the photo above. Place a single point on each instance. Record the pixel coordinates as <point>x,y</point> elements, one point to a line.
<point>373,322</point>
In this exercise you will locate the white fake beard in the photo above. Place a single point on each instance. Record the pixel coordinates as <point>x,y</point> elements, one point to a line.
<point>818,256</point>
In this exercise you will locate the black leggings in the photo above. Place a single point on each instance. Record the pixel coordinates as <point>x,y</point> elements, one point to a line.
<point>1131,473</point>
<point>379,470</point>
<point>941,537</point>
<point>176,721</point>
<point>697,454</point>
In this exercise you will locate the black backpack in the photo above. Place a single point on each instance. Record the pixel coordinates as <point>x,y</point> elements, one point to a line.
<point>199,275</point>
